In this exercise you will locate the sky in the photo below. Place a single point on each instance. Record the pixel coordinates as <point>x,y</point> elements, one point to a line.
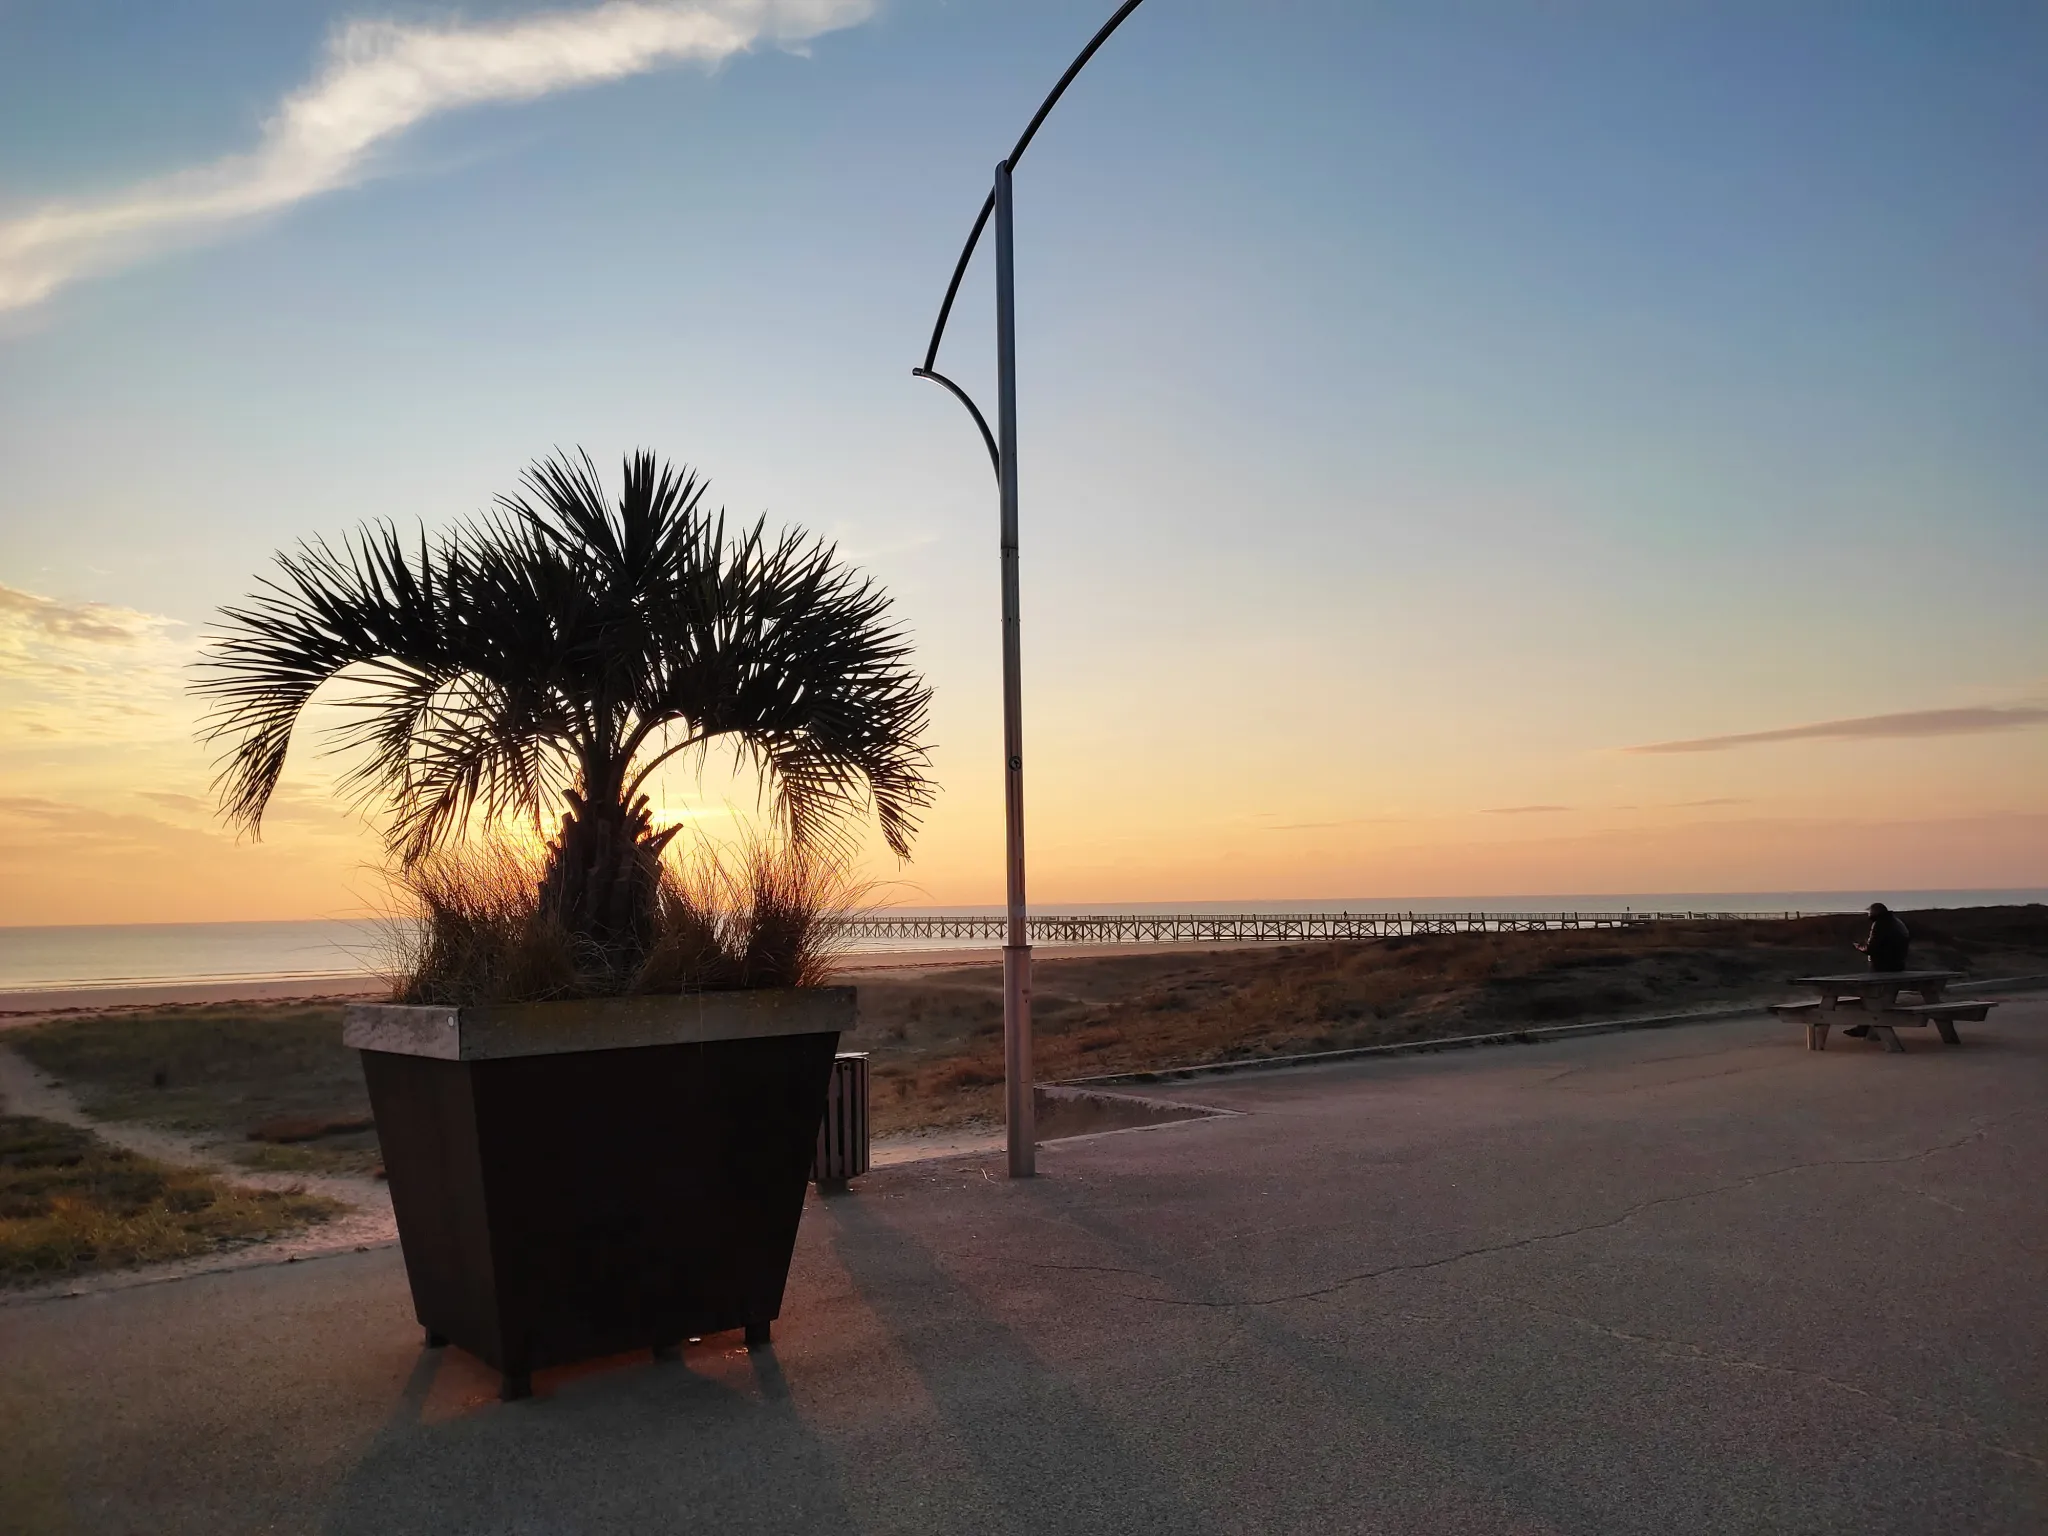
<point>1466,448</point>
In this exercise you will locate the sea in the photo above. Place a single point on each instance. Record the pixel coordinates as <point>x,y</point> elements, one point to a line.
<point>334,949</point>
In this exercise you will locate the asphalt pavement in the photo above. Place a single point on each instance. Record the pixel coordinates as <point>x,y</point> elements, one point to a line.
<point>1689,1280</point>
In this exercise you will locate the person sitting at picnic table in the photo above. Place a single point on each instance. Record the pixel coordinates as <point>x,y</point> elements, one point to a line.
<point>1886,945</point>
<point>1888,940</point>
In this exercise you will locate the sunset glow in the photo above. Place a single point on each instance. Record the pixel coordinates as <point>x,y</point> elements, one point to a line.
<point>1597,473</point>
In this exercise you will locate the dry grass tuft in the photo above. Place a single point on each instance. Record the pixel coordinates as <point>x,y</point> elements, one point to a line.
<point>759,916</point>
<point>762,916</point>
<point>476,933</point>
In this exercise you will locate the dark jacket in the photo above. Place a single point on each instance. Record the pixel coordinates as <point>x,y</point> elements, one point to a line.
<point>1888,942</point>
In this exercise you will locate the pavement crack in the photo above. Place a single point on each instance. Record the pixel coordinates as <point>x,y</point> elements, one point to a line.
<point>1317,1293</point>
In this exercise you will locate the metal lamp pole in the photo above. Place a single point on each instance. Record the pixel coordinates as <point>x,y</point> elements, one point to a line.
<point>1019,1105</point>
<point>1020,1108</point>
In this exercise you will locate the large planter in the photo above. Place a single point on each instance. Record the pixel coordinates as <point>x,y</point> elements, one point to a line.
<point>580,1179</point>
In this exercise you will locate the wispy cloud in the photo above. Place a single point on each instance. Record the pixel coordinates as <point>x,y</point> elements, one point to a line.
<point>77,670</point>
<point>32,823</point>
<point>29,617</point>
<point>1524,810</point>
<point>191,805</point>
<point>1324,826</point>
<point>1924,722</point>
<point>378,79</point>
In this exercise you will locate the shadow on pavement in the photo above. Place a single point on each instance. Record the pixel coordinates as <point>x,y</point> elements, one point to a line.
<point>1384,1434</point>
<point>710,1443</point>
<point>1046,1458</point>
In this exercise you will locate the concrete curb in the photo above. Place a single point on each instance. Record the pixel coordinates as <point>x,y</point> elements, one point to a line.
<point>1532,1036</point>
<point>268,1255</point>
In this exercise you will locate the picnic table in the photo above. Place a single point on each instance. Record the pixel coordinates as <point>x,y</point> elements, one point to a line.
<point>1877,994</point>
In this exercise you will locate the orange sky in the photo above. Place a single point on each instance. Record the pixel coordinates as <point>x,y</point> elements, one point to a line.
<point>1407,430</point>
<point>1463,788</point>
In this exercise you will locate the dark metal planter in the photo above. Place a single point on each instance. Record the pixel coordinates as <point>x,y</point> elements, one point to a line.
<point>574,1180</point>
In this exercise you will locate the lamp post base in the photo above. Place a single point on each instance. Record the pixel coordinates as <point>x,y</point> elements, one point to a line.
<point>1019,1102</point>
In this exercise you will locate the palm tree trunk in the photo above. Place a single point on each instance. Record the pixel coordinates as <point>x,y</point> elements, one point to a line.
<point>603,882</point>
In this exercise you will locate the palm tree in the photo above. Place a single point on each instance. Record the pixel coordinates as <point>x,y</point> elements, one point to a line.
<point>556,654</point>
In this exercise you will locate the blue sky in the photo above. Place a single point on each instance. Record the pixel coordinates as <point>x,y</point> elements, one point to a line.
<point>1420,404</point>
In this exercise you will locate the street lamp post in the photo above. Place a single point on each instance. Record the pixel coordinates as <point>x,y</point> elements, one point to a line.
<point>1020,1109</point>
<point>1018,1102</point>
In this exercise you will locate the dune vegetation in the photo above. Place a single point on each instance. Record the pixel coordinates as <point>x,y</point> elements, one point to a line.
<point>936,1036</point>
<point>73,1203</point>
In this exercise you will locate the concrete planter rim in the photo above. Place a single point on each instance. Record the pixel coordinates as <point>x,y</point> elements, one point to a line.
<point>491,1031</point>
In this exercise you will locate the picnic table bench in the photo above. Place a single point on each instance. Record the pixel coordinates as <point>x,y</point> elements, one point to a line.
<point>1876,993</point>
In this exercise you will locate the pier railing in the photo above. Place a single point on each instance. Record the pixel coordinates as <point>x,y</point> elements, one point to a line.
<point>1261,927</point>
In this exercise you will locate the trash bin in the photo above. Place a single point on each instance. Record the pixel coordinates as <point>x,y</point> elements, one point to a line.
<point>843,1133</point>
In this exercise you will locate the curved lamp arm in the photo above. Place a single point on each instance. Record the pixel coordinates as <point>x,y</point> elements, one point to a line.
<point>995,454</point>
<point>931,356</point>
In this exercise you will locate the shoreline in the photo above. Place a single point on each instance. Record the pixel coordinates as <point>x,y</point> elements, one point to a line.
<point>23,1005</point>
<point>39,1002</point>
<point>156,968</point>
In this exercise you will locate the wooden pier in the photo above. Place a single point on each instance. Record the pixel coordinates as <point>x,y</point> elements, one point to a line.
<point>1259,927</point>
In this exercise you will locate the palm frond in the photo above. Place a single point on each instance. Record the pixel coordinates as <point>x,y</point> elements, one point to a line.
<point>568,642</point>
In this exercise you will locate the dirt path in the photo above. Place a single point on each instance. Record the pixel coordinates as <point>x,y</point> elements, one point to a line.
<point>368,1223</point>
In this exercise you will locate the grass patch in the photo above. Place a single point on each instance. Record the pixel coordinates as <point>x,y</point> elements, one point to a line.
<point>71,1203</point>
<point>223,1072</point>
